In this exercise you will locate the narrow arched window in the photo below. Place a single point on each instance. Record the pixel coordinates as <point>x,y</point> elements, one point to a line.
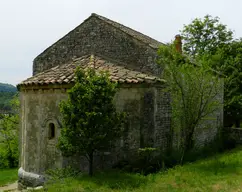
<point>51,131</point>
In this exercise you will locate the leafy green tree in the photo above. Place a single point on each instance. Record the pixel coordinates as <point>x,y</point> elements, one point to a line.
<point>91,122</point>
<point>9,153</point>
<point>194,91</point>
<point>205,36</point>
<point>228,60</point>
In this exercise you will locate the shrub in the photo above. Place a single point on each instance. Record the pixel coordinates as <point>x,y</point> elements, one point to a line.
<point>61,173</point>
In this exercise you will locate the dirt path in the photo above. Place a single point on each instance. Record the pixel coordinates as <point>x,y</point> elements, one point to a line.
<point>9,187</point>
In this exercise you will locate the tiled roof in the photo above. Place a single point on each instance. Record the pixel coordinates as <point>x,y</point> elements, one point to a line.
<point>144,38</point>
<point>64,74</point>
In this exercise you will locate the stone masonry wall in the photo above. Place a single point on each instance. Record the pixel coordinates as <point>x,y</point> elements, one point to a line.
<point>96,36</point>
<point>207,129</point>
<point>39,109</point>
<point>147,126</point>
<point>162,120</point>
<point>144,127</point>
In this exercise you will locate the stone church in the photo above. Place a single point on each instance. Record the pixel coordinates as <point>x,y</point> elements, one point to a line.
<point>129,56</point>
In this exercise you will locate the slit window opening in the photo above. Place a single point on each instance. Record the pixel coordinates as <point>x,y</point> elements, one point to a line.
<point>51,131</point>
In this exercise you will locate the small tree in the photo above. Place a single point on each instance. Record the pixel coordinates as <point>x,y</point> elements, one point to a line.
<point>90,119</point>
<point>194,93</point>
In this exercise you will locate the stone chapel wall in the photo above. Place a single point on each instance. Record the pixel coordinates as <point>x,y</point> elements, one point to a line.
<point>146,127</point>
<point>39,114</point>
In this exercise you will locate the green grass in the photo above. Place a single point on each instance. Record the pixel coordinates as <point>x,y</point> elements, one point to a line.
<point>219,173</point>
<point>8,176</point>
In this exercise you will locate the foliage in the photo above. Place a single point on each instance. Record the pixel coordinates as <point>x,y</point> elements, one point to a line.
<point>211,174</point>
<point>7,93</point>
<point>194,93</point>
<point>9,155</point>
<point>90,119</point>
<point>212,40</point>
<point>228,60</point>
<point>102,181</point>
<point>5,98</point>
<point>149,159</point>
<point>205,35</point>
<point>4,87</point>
<point>147,151</point>
<point>61,173</point>
<point>227,139</point>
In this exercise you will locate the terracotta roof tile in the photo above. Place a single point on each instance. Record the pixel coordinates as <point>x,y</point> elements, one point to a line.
<point>64,74</point>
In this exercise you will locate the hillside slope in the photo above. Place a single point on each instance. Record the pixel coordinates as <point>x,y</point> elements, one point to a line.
<point>221,173</point>
<point>4,87</point>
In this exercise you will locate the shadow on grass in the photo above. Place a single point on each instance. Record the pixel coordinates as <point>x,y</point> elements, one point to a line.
<point>115,180</point>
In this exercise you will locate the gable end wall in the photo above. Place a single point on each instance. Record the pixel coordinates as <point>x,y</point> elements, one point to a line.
<point>95,36</point>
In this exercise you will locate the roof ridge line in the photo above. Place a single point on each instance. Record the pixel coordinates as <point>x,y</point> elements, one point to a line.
<point>107,20</point>
<point>104,19</point>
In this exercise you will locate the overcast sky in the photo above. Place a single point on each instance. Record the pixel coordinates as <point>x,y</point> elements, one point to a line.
<point>27,27</point>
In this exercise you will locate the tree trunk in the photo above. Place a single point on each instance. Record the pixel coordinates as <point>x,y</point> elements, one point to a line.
<point>187,144</point>
<point>182,156</point>
<point>90,171</point>
<point>185,149</point>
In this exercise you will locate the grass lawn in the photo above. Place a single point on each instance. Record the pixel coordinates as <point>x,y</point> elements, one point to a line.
<point>8,176</point>
<point>221,173</point>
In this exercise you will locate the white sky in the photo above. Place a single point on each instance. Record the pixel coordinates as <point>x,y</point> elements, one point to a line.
<point>27,27</point>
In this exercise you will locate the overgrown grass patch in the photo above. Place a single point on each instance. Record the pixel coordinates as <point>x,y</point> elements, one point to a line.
<point>222,173</point>
<point>102,181</point>
<point>8,176</point>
